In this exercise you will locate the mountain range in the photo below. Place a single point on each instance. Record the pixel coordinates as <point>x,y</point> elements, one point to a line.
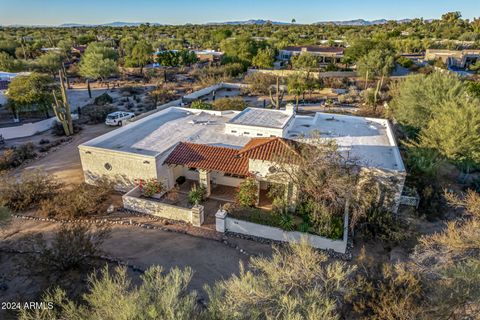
<point>357,22</point>
<point>360,22</point>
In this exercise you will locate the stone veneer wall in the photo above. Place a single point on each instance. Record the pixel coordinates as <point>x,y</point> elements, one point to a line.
<point>132,201</point>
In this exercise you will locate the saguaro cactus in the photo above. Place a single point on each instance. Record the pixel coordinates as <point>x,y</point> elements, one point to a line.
<point>62,107</point>
<point>277,101</point>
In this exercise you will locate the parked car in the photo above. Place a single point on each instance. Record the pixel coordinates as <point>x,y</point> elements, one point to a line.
<point>118,118</point>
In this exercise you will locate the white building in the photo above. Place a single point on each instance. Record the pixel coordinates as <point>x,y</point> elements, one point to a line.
<point>222,147</point>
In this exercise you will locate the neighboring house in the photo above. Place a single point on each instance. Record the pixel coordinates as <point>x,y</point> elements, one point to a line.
<point>461,59</point>
<point>221,148</point>
<point>208,55</point>
<point>326,54</point>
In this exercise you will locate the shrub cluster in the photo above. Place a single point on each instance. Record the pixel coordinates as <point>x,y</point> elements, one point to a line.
<point>83,200</point>
<point>94,114</point>
<point>27,191</point>
<point>14,157</point>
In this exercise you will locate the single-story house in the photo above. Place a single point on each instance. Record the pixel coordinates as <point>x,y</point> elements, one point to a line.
<point>325,54</point>
<point>221,148</point>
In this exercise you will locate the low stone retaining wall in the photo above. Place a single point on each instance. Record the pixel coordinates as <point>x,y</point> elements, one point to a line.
<point>226,224</point>
<point>132,201</point>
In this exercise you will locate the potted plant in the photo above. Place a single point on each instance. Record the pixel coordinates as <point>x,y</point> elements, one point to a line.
<point>196,194</point>
<point>151,188</point>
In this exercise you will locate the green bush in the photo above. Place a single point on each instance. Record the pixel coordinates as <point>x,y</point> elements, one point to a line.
<point>286,222</point>
<point>405,62</point>
<point>94,114</point>
<point>196,194</point>
<point>199,104</point>
<point>27,191</point>
<point>103,99</point>
<point>247,193</point>
<point>57,128</point>
<point>234,103</point>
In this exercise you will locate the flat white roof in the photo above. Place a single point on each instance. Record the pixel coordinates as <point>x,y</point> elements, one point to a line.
<point>368,140</point>
<point>160,131</point>
<point>262,118</point>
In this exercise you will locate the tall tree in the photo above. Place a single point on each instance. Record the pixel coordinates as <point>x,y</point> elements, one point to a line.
<point>49,62</point>
<point>140,55</point>
<point>98,61</point>
<point>30,92</point>
<point>264,58</point>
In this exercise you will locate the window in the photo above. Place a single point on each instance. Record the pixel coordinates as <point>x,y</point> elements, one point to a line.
<point>108,166</point>
<point>259,135</point>
<point>247,133</point>
<point>234,131</point>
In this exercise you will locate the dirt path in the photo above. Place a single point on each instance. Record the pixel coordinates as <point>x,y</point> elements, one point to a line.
<point>210,260</point>
<point>65,162</point>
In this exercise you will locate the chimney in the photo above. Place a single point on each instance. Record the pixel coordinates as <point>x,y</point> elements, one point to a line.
<point>290,108</point>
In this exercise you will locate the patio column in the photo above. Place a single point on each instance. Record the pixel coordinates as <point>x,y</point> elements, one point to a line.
<point>258,192</point>
<point>204,180</point>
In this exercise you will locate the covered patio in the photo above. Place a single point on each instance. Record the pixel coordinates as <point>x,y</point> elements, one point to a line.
<point>217,191</point>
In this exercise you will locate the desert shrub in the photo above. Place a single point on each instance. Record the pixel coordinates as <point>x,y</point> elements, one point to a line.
<point>57,128</point>
<point>297,282</point>
<point>386,291</point>
<point>103,99</point>
<point>14,157</point>
<point>320,219</point>
<point>80,201</point>
<point>234,103</point>
<point>161,295</point>
<point>247,193</point>
<point>27,191</point>
<point>131,90</point>
<point>199,104</point>
<point>55,143</point>
<point>94,114</point>
<point>71,247</point>
<point>196,194</point>
<point>259,83</point>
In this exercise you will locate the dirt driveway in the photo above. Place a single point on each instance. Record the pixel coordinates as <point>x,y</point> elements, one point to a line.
<point>210,260</point>
<point>65,162</point>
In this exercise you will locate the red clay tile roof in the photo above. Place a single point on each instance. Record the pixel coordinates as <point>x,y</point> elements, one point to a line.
<point>269,148</point>
<point>202,156</point>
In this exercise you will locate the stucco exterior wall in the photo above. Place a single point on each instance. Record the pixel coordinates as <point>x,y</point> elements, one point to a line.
<point>252,131</point>
<point>122,169</point>
<point>224,223</point>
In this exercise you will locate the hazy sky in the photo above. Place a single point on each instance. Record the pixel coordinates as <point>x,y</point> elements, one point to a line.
<point>53,12</point>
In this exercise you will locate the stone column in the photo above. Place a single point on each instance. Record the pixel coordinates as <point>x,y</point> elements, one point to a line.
<point>197,215</point>
<point>220,223</point>
<point>204,180</point>
<point>258,192</point>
